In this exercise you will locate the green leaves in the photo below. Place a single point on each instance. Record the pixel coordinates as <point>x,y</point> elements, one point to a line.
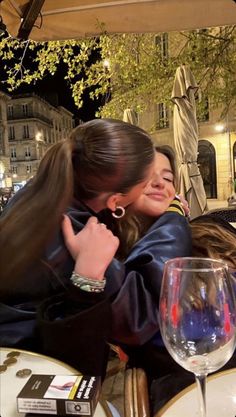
<point>141,66</point>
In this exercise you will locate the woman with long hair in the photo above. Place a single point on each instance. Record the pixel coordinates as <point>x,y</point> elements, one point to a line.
<point>151,204</point>
<point>103,165</point>
<point>99,164</point>
<point>153,230</point>
<point>210,237</point>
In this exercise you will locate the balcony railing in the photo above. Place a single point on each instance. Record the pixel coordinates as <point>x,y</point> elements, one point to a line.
<point>23,159</point>
<point>19,114</point>
<point>20,139</point>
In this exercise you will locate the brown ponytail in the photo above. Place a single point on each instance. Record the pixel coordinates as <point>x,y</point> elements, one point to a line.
<point>99,156</point>
<point>30,223</point>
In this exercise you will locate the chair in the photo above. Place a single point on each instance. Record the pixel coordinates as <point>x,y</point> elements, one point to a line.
<point>136,401</point>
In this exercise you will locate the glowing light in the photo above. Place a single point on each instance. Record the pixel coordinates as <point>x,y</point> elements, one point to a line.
<point>106,64</point>
<point>39,137</point>
<point>219,127</point>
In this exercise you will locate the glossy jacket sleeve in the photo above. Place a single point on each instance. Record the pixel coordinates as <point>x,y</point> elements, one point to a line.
<point>135,305</point>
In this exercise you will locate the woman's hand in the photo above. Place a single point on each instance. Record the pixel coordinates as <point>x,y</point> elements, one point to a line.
<point>184,204</point>
<point>93,248</point>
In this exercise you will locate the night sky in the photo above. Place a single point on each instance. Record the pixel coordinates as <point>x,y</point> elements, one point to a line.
<point>56,90</point>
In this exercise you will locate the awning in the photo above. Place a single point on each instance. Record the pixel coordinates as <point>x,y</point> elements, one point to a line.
<point>68,19</point>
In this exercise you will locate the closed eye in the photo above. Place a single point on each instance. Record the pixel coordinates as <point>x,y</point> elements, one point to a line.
<point>169,179</point>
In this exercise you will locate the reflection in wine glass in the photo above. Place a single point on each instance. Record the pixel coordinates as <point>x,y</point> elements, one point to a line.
<point>198,316</point>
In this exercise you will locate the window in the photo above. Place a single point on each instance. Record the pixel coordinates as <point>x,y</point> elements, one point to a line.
<point>11,133</point>
<point>25,131</point>
<point>13,153</point>
<point>27,152</point>
<point>10,111</point>
<point>25,109</point>
<point>207,166</point>
<point>28,169</point>
<point>162,116</point>
<point>162,45</point>
<point>14,169</point>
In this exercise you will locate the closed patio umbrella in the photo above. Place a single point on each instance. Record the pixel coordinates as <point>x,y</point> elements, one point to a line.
<point>186,140</point>
<point>130,116</point>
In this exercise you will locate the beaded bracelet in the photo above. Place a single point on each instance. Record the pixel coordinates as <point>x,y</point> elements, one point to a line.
<point>87,284</point>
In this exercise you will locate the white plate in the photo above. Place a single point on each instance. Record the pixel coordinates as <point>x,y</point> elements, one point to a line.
<point>220,395</point>
<point>11,385</point>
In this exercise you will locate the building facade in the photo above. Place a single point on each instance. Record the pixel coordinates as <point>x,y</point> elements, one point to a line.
<point>5,169</point>
<point>33,125</point>
<point>217,137</point>
<point>216,146</point>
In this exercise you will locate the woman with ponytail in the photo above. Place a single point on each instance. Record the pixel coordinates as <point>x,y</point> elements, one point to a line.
<point>47,296</point>
<point>104,164</point>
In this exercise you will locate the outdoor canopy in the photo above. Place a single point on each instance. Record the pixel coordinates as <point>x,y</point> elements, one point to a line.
<point>67,19</point>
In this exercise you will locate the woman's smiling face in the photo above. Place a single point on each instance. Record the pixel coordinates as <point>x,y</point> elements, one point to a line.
<point>160,190</point>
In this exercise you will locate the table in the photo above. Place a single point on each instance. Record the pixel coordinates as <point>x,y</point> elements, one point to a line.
<point>11,385</point>
<point>221,398</point>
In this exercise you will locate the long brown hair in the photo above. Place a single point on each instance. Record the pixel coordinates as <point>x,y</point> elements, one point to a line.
<point>99,156</point>
<point>132,227</point>
<point>211,239</point>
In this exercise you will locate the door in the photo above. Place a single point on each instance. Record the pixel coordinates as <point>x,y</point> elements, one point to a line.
<point>207,165</point>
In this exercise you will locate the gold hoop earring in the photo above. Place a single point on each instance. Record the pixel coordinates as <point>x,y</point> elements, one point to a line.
<point>119,212</point>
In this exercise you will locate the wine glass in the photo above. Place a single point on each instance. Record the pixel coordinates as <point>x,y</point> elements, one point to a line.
<point>198,316</point>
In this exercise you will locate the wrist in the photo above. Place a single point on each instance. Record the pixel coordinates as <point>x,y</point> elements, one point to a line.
<point>89,271</point>
<point>87,283</point>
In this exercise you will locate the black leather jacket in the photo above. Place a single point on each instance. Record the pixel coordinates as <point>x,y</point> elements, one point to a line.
<point>132,289</point>
<point>135,305</point>
<point>133,286</point>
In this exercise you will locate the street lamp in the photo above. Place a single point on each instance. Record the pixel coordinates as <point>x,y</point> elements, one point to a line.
<point>219,127</point>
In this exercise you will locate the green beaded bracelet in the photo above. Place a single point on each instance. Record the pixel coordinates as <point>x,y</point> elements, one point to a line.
<point>87,284</point>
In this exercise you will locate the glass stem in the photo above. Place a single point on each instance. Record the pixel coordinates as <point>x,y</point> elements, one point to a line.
<point>201,387</point>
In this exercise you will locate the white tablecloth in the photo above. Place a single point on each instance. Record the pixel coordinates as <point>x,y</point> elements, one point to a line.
<point>221,398</point>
